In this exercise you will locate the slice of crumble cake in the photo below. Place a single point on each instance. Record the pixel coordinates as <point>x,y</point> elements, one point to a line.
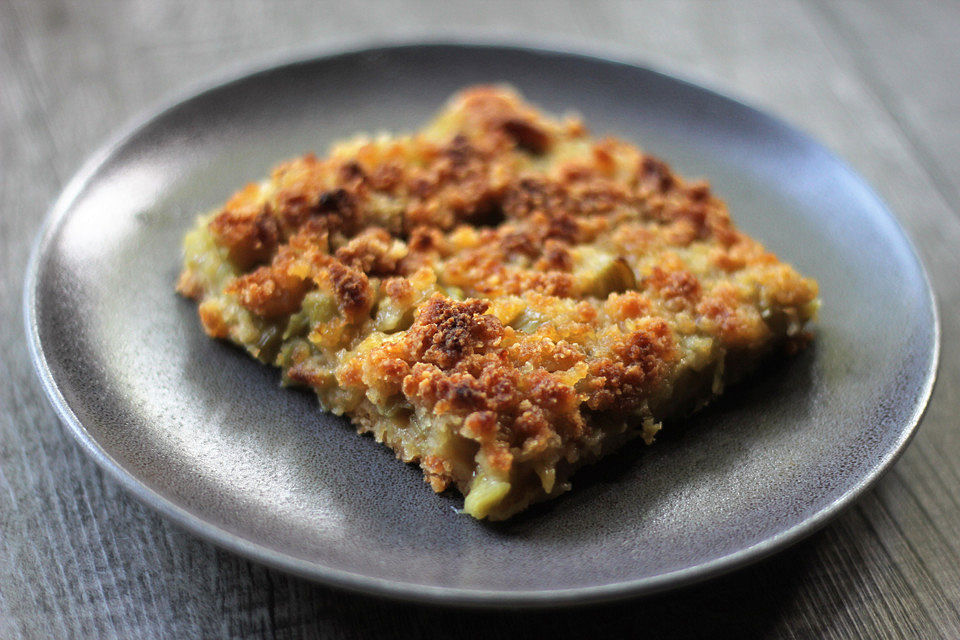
<point>499,297</point>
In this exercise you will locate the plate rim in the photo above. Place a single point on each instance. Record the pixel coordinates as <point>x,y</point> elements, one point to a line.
<point>398,589</point>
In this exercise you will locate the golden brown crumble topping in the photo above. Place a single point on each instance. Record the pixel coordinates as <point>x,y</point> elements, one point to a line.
<point>499,297</point>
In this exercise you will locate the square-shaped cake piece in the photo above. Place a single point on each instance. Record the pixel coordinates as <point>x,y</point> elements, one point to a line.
<point>499,297</point>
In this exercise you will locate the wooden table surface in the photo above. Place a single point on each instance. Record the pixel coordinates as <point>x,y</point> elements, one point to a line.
<point>877,81</point>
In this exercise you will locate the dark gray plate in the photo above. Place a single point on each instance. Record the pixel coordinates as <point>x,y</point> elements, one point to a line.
<point>205,435</point>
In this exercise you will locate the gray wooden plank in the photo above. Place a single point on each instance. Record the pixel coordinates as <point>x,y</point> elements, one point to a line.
<point>90,561</point>
<point>907,53</point>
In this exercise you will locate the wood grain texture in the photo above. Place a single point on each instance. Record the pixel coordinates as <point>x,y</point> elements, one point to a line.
<point>873,80</point>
